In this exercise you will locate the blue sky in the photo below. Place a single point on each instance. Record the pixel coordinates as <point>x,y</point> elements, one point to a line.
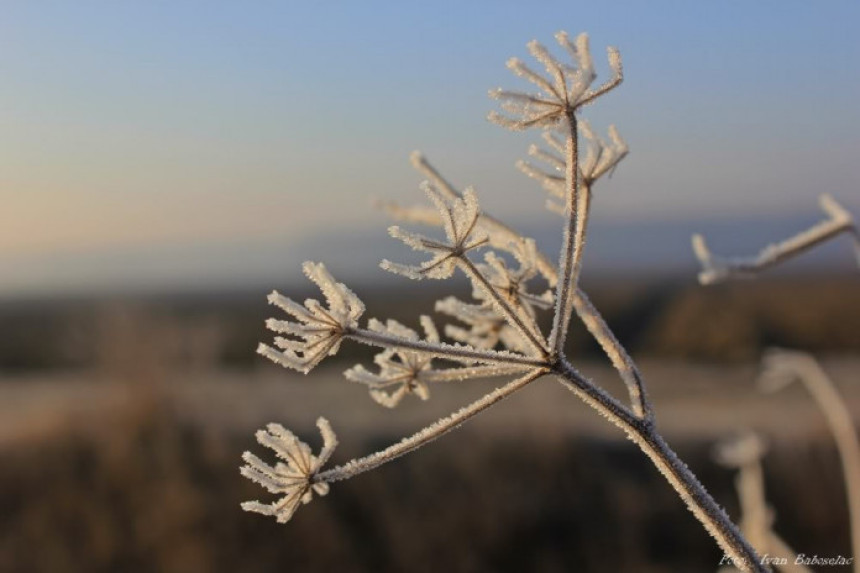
<point>153,127</point>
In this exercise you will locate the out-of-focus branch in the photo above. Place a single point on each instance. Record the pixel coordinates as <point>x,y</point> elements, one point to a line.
<point>744,453</point>
<point>839,220</point>
<point>781,367</point>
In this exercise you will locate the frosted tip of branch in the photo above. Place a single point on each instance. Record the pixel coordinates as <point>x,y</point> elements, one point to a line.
<point>836,211</point>
<point>711,272</point>
<point>614,57</point>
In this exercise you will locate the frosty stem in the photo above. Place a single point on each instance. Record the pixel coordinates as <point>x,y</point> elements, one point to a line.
<point>444,351</point>
<point>621,361</point>
<point>429,433</point>
<point>644,434</point>
<point>570,257</point>
<point>535,339</point>
<point>838,417</point>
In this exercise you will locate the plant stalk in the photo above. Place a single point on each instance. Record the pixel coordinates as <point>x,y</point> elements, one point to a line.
<point>644,434</point>
<point>841,424</point>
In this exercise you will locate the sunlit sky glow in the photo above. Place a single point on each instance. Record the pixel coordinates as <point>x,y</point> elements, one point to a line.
<point>162,125</point>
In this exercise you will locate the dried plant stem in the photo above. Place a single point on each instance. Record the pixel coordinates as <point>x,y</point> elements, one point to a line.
<point>571,248</point>
<point>838,221</point>
<point>622,362</point>
<point>429,433</point>
<point>644,434</point>
<point>841,424</point>
<point>446,351</point>
<point>756,517</point>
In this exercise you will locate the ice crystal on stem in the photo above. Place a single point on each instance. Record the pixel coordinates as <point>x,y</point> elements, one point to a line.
<point>294,475</point>
<point>403,371</point>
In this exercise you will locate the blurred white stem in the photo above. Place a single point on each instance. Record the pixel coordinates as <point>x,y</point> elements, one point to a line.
<point>839,220</point>
<point>841,426</point>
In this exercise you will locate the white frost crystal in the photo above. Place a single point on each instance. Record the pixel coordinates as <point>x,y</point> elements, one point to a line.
<point>294,475</point>
<point>319,330</point>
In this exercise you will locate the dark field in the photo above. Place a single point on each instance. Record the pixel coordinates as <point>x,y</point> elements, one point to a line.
<point>121,428</point>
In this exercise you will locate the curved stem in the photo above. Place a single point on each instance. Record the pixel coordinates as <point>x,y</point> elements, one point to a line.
<point>644,434</point>
<point>845,435</point>
<point>622,362</point>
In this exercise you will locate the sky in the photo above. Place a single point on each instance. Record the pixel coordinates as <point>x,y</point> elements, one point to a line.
<point>165,141</point>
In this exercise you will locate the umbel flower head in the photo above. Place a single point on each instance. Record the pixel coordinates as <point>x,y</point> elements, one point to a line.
<point>567,87</point>
<point>318,330</point>
<point>294,475</point>
<point>487,328</point>
<point>512,283</point>
<point>460,221</point>
<point>600,158</point>
<point>401,371</point>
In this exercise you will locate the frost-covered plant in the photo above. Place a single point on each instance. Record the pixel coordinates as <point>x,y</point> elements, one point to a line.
<point>293,476</point>
<point>744,453</point>
<point>502,335</point>
<point>839,220</point>
<point>781,368</point>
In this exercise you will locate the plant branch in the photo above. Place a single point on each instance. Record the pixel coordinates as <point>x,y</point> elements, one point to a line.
<point>442,350</point>
<point>621,361</point>
<point>570,258</point>
<point>838,419</point>
<point>529,332</point>
<point>839,220</point>
<point>428,434</point>
<point>644,434</point>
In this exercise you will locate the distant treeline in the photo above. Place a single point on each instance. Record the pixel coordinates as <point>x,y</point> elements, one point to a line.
<point>659,317</point>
